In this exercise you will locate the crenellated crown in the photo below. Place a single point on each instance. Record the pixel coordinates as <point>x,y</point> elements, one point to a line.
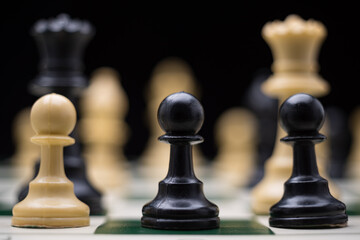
<point>295,45</point>
<point>61,43</point>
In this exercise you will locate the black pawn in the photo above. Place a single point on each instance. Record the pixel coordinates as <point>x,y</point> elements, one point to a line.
<point>180,203</point>
<point>61,43</point>
<point>307,202</point>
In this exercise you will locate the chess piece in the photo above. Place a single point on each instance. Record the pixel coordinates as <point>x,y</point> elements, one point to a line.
<point>235,133</point>
<point>353,163</point>
<point>170,75</point>
<point>295,45</point>
<point>307,202</point>
<point>324,152</point>
<point>103,130</point>
<point>265,109</point>
<point>26,153</point>
<point>51,202</point>
<point>340,138</point>
<point>180,203</point>
<point>61,42</point>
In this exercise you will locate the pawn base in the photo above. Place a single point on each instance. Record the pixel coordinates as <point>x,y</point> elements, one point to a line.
<point>335,221</point>
<point>36,222</point>
<point>180,224</point>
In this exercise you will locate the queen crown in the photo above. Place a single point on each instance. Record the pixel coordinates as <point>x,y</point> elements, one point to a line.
<point>295,45</point>
<point>61,43</point>
<point>64,23</point>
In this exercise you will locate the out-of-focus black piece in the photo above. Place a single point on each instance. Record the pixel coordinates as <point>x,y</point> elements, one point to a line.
<point>340,141</point>
<point>265,109</point>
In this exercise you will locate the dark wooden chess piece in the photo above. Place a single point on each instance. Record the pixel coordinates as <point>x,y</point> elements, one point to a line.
<point>265,109</point>
<point>61,42</point>
<point>180,203</point>
<point>307,202</point>
<point>340,141</point>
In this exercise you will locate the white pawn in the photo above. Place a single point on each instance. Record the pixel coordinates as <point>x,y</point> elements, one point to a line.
<point>51,201</point>
<point>235,134</point>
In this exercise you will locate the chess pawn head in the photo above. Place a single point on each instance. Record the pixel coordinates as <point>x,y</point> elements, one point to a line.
<point>295,44</point>
<point>306,202</point>
<point>51,202</point>
<point>53,114</point>
<point>180,114</point>
<point>301,116</point>
<point>61,42</point>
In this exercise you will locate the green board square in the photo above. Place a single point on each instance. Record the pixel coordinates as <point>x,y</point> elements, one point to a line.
<point>227,227</point>
<point>5,209</point>
<point>353,209</point>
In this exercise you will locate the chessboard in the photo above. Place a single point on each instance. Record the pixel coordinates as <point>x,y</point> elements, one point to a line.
<point>175,116</point>
<point>123,214</point>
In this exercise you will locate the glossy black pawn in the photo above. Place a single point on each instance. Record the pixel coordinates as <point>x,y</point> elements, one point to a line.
<point>61,43</point>
<point>180,203</point>
<point>307,202</point>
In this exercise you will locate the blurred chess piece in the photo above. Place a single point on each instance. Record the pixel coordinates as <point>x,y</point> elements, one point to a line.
<point>340,141</point>
<point>104,131</point>
<point>236,138</point>
<point>295,44</point>
<point>323,154</point>
<point>353,164</point>
<point>352,173</point>
<point>265,109</point>
<point>26,153</point>
<point>170,75</point>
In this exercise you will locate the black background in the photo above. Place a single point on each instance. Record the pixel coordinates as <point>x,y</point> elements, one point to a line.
<point>221,41</point>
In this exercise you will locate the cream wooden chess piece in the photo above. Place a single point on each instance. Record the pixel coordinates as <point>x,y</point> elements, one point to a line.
<point>26,153</point>
<point>103,130</point>
<point>170,75</point>
<point>295,45</point>
<point>353,164</point>
<point>51,201</point>
<point>235,135</point>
